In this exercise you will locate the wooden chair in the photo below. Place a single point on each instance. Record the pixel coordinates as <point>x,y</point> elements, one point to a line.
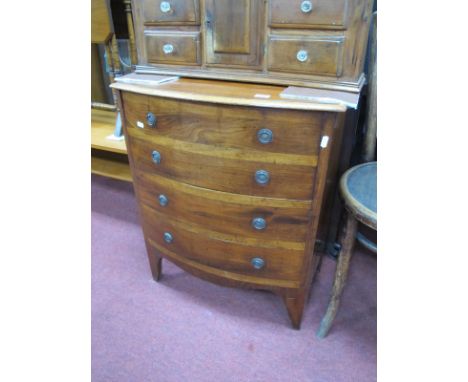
<point>358,187</point>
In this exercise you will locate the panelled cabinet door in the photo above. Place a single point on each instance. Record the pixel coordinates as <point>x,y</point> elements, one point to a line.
<point>234,33</point>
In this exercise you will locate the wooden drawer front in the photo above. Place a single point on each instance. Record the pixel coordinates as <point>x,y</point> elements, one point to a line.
<point>172,12</point>
<point>321,55</point>
<point>230,253</point>
<point>294,132</point>
<point>223,169</point>
<point>286,220</point>
<point>135,108</point>
<point>181,48</point>
<point>324,14</point>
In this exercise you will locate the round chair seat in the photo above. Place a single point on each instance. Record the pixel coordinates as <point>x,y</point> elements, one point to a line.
<point>358,187</point>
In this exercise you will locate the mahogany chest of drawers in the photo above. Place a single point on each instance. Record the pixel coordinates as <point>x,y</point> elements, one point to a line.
<point>318,43</point>
<point>231,185</point>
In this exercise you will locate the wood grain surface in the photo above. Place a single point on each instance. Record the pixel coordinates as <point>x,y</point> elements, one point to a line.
<point>324,54</point>
<point>101,22</point>
<point>209,154</point>
<point>220,276</point>
<point>234,32</point>
<point>186,47</point>
<point>325,14</point>
<point>232,253</point>
<point>226,93</point>
<point>229,170</point>
<point>294,132</point>
<point>286,219</point>
<point>182,12</point>
<point>236,43</point>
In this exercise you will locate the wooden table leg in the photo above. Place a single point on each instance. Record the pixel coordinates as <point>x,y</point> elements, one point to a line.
<point>347,245</point>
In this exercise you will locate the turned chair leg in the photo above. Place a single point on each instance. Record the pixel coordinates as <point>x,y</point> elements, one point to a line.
<point>347,242</point>
<point>155,262</point>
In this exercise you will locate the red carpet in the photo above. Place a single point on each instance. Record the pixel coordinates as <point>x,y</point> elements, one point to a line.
<point>186,329</point>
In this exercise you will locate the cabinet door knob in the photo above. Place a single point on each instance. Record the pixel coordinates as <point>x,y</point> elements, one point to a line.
<point>163,200</point>
<point>302,55</point>
<point>257,262</point>
<point>168,48</point>
<point>265,136</point>
<point>156,157</point>
<point>165,6</point>
<point>259,223</point>
<point>151,119</point>
<point>168,237</point>
<point>262,176</point>
<point>306,6</point>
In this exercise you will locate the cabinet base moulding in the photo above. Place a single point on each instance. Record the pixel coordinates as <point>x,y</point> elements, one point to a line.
<point>228,75</point>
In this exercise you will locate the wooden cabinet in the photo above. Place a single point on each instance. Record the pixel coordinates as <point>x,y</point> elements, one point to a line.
<point>231,187</point>
<point>315,43</point>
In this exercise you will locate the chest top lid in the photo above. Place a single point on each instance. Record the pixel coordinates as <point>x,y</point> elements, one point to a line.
<point>223,92</point>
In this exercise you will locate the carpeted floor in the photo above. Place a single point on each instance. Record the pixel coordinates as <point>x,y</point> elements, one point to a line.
<point>186,329</point>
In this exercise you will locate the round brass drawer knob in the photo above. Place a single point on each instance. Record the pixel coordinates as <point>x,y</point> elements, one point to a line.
<point>265,136</point>
<point>262,177</point>
<point>257,262</point>
<point>156,157</point>
<point>168,48</point>
<point>151,119</point>
<point>165,6</point>
<point>163,200</point>
<point>306,6</point>
<point>302,55</point>
<point>259,223</point>
<point>168,237</point>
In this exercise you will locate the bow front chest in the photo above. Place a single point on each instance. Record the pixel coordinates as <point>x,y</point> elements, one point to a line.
<point>231,179</point>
